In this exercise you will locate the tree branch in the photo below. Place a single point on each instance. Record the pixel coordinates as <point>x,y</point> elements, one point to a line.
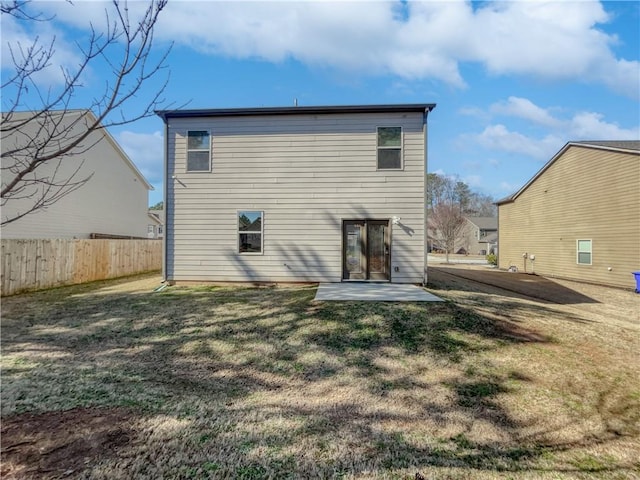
<point>38,143</point>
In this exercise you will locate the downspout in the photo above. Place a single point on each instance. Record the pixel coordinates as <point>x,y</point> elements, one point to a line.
<point>166,204</point>
<point>424,200</point>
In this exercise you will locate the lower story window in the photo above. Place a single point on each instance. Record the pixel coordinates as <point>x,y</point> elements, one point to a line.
<point>250,231</point>
<point>584,252</point>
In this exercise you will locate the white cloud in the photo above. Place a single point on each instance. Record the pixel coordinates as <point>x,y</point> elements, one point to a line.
<point>413,40</point>
<point>581,126</point>
<point>18,39</point>
<point>551,40</point>
<point>498,137</point>
<point>526,109</point>
<point>591,126</point>
<point>146,151</point>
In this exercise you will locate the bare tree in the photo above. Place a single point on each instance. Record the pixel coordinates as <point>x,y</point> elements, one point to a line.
<point>446,226</point>
<point>447,202</point>
<point>443,189</point>
<point>38,143</point>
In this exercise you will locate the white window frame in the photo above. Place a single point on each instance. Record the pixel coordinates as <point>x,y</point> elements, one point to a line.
<point>238,231</point>
<point>186,166</point>
<point>378,148</point>
<point>151,229</point>
<point>578,251</point>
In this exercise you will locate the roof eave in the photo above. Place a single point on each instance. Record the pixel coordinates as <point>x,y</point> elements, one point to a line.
<point>305,110</point>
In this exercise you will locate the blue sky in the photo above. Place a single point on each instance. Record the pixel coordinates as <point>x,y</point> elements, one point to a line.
<point>513,81</point>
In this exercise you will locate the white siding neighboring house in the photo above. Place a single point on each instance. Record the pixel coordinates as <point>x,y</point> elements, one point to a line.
<point>113,202</point>
<point>296,194</point>
<point>155,229</point>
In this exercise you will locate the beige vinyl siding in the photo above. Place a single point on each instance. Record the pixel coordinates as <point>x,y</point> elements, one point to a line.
<point>586,194</point>
<point>114,200</point>
<point>307,173</point>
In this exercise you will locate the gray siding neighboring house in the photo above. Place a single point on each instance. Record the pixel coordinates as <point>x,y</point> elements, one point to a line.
<point>113,202</point>
<point>296,194</point>
<point>481,235</point>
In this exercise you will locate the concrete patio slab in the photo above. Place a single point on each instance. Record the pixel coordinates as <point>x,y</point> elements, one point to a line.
<point>374,292</point>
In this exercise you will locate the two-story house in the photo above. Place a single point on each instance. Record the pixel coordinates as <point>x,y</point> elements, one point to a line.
<point>579,217</point>
<point>113,201</point>
<point>296,194</point>
<point>480,235</point>
<point>155,228</point>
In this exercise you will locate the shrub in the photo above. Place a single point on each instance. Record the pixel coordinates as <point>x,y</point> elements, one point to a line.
<point>492,259</point>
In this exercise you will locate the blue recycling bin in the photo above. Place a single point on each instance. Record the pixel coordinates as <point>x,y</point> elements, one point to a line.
<point>637,275</point>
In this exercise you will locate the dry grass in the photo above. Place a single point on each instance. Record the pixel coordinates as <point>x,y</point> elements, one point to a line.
<point>266,383</point>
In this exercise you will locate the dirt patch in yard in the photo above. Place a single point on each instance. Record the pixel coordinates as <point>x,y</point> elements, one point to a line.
<point>61,444</point>
<point>589,303</point>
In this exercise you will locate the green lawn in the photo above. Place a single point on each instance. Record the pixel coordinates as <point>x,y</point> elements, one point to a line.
<point>266,383</point>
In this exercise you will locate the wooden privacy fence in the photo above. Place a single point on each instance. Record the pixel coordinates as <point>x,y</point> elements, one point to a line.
<point>44,263</point>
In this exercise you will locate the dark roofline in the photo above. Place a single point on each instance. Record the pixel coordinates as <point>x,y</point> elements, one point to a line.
<point>308,110</point>
<point>630,146</point>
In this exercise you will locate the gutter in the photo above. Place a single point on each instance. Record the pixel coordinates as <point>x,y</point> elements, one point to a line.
<point>424,196</point>
<point>166,204</point>
<point>296,110</point>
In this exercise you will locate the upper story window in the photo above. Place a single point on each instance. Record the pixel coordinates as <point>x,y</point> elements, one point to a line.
<point>584,252</point>
<point>198,151</point>
<point>389,148</point>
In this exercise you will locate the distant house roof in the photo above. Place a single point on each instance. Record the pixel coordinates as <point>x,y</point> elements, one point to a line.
<point>625,146</point>
<point>231,112</point>
<point>484,223</point>
<point>491,238</point>
<point>155,218</point>
<point>159,214</point>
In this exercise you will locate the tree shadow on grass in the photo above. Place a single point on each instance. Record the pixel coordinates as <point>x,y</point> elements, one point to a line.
<point>518,285</point>
<point>274,382</point>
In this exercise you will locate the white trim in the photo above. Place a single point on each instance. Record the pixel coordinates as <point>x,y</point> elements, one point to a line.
<point>209,150</point>
<point>578,251</point>
<point>238,232</point>
<point>378,148</point>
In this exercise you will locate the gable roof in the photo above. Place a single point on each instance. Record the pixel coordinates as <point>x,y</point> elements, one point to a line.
<point>309,110</point>
<point>624,146</point>
<point>25,116</point>
<point>155,218</point>
<point>159,214</point>
<point>484,223</point>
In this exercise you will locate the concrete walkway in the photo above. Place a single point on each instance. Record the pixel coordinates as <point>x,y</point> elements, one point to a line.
<point>374,292</point>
